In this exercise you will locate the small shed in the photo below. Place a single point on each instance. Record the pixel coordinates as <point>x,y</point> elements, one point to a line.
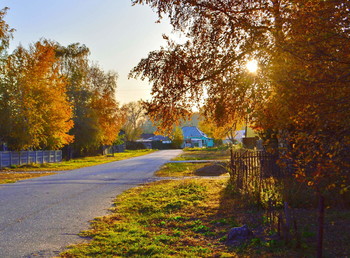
<point>193,137</point>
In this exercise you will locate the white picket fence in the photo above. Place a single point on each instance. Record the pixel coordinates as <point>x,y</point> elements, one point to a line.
<point>10,158</point>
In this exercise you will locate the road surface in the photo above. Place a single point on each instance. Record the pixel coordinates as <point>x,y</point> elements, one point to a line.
<point>39,217</point>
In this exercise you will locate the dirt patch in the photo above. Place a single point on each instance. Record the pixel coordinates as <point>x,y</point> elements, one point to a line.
<point>216,169</point>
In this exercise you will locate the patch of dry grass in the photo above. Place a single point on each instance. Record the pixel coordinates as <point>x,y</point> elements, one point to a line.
<point>12,177</point>
<point>205,154</point>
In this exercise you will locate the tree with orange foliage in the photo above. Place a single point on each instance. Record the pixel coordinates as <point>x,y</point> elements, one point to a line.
<point>311,101</point>
<point>300,93</point>
<point>110,116</point>
<point>35,109</point>
<point>301,88</point>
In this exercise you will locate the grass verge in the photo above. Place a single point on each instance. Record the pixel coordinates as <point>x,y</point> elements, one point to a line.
<point>79,162</point>
<point>205,154</point>
<point>15,173</point>
<point>191,218</point>
<point>162,219</point>
<point>11,177</point>
<point>179,169</point>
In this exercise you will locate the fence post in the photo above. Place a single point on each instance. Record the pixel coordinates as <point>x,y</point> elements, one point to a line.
<point>0,159</point>
<point>19,158</point>
<point>28,156</point>
<point>54,159</point>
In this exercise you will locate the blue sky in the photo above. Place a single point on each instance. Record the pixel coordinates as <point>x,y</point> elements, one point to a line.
<point>117,34</point>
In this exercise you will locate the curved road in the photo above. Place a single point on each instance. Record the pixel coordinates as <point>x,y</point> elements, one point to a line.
<point>39,217</point>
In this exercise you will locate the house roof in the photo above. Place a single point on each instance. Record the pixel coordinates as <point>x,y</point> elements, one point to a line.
<point>159,138</point>
<point>193,132</point>
<point>146,136</point>
<point>153,137</point>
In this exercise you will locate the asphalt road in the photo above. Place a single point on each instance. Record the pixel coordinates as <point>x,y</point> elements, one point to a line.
<point>39,217</point>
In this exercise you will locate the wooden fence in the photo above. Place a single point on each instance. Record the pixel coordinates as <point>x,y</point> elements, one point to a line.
<point>249,168</point>
<point>10,158</point>
<point>256,175</point>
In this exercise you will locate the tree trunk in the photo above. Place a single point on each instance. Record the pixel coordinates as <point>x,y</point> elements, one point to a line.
<point>320,225</point>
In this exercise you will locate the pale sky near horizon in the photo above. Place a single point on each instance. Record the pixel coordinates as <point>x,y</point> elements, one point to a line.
<point>117,34</point>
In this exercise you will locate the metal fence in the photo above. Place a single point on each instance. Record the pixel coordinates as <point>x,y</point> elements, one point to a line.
<point>10,158</point>
<point>256,175</point>
<point>111,150</point>
<point>250,166</point>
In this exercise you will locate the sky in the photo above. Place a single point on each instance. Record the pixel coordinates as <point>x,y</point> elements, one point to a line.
<point>117,34</point>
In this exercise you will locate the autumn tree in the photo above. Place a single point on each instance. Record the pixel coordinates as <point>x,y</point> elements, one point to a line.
<point>223,36</point>
<point>135,120</point>
<point>6,33</point>
<point>91,91</point>
<point>110,116</point>
<point>177,137</point>
<point>316,62</point>
<point>34,107</point>
<point>225,131</point>
<point>302,81</point>
<point>5,37</point>
<point>75,66</point>
<point>300,94</point>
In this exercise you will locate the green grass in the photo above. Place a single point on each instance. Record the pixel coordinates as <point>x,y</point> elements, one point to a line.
<point>80,162</point>
<point>191,218</point>
<point>205,154</point>
<point>179,169</point>
<point>188,169</point>
<point>150,221</point>
<point>179,218</point>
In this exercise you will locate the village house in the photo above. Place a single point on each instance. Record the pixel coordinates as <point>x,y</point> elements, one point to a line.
<point>193,137</point>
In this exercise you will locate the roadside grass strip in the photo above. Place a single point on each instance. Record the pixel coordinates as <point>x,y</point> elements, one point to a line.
<point>179,169</point>
<point>191,218</point>
<point>205,154</point>
<point>162,219</point>
<point>178,218</point>
<point>11,177</point>
<point>79,162</point>
<point>15,173</point>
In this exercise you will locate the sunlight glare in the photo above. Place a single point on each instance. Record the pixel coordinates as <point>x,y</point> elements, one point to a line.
<point>252,66</point>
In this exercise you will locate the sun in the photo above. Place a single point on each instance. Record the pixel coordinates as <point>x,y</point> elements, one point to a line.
<point>252,66</point>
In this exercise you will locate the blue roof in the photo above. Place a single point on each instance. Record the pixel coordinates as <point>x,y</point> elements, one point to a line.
<point>192,132</point>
